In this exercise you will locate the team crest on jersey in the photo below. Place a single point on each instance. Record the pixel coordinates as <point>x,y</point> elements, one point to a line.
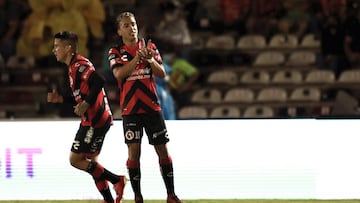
<point>129,135</point>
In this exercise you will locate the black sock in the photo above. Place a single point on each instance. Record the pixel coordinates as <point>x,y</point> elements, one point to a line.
<point>104,190</point>
<point>135,177</point>
<point>167,174</point>
<point>113,178</point>
<point>99,172</point>
<point>107,195</point>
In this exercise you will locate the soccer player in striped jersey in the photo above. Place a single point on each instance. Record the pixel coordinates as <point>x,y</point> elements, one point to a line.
<point>96,118</point>
<point>135,64</point>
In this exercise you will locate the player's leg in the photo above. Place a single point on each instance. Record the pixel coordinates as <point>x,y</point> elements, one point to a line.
<point>133,134</point>
<point>133,165</point>
<point>87,145</point>
<point>88,164</point>
<point>167,172</point>
<point>102,185</point>
<point>158,137</point>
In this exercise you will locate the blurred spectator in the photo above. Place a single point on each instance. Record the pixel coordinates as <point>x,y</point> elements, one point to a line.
<point>183,76</point>
<point>173,27</point>
<point>48,17</point>
<point>332,39</point>
<point>333,8</point>
<point>2,62</point>
<point>11,16</point>
<point>234,14</point>
<point>352,35</point>
<point>105,67</point>
<point>190,8</point>
<point>263,17</point>
<point>231,13</point>
<point>205,14</point>
<point>296,18</point>
<point>165,96</point>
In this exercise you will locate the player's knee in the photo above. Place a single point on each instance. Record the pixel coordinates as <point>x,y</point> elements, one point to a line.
<point>75,159</point>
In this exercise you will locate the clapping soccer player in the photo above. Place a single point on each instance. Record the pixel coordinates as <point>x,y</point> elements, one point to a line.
<point>135,64</point>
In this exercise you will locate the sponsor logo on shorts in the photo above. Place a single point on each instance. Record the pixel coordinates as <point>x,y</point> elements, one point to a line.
<point>76,145</point>
<point>129,135</point>
<point>89,135</point>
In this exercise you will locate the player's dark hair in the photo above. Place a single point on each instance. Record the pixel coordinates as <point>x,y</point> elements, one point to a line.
<point>122,15</point>
<point>70,37</point>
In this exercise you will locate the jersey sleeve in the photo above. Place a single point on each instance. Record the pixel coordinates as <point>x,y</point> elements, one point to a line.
<point>95,83</point>
<point>157,55</point>
<point>114,58</point>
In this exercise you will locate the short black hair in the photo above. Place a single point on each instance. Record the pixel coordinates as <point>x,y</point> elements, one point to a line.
<point>68,36</point>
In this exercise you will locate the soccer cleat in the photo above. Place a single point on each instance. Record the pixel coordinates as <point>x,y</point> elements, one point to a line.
<point>139,199</point>
<point>119,189</point>
<point>172,198</point>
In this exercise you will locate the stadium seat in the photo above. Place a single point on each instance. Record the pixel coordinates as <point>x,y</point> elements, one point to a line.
<point>310,41</point>
<point>320,76</point>
<point>255,77</point>
<point>198,41</point>
<point>350,76</point>
<point>206,95</point>
<point>287,76</point>
<point>283,41</point>
<point>251,41</point>
<point>272,94</point>
<point>223,77</point>
<point>192,112</point>
<point>240,95</point>
<point>225,112</point>
<point>305,94</point>
<point>301,58</point>
<point>269,58</point>
<point>24,62</point>
<point>259,112</point>
<point>226,42</point>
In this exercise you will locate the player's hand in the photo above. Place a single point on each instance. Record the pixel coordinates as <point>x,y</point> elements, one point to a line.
<point>145,52</point>
<point>81,108</point>
<point>54,97</point>
<point>150,51</point>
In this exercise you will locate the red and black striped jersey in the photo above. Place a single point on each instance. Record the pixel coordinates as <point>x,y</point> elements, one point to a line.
<point>137,91</point>
<point>79,71</point>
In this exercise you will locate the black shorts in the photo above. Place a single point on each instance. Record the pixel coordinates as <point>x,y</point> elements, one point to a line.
<point>89,140</point>
<point>154,126</point>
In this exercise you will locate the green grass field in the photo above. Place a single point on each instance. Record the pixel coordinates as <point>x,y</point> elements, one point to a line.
<point>197,201</point>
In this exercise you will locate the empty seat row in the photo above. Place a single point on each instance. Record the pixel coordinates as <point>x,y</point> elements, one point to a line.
<point>315,76</point>
<point>247,95</point>
<point>200,112</point>
<point>279,58</point>
<point>255,41</point>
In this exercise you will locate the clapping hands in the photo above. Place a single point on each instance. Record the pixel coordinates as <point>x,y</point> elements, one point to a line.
<point>145,52</point>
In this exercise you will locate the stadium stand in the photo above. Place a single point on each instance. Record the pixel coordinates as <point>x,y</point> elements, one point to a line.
<point>271,75</point>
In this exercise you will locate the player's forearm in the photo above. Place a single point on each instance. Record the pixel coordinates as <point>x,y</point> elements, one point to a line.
<point>124,71</point>
<point>158,69</point>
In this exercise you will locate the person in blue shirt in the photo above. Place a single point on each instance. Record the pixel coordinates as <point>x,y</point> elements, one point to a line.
<point>164,94</point>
